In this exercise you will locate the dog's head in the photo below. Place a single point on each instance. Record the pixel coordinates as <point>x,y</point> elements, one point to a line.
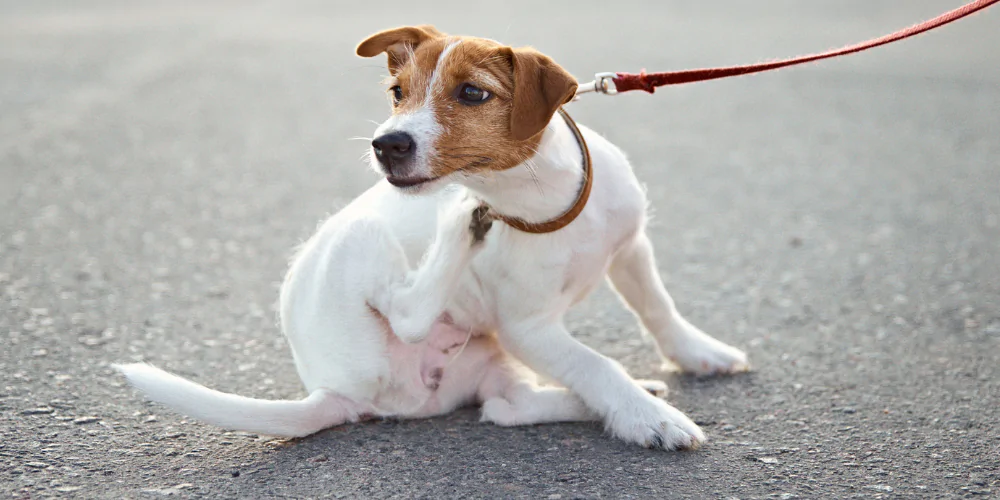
<point>460,105</point>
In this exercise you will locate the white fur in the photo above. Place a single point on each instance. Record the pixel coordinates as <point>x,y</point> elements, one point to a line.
<point>319,410</point>
<point>423,127</point>
<point>510,291</point>
<point>420,123</point>
<point>432,86</point>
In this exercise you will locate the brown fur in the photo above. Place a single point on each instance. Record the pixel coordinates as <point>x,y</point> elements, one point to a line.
<point>540,87</point>
<point>527,88</point>
<point>396,43</point>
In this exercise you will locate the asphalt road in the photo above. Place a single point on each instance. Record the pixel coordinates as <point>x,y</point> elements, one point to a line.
<point>840,222</point>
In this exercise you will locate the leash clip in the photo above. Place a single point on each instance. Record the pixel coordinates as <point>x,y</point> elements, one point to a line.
<point>603,84</point>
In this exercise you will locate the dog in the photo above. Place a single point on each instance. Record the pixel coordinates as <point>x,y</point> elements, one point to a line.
<point>514,214</point>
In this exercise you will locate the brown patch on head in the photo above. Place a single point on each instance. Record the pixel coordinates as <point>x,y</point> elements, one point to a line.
<point>540,87</point>
<point>525,89</point>
<point>397,43</point>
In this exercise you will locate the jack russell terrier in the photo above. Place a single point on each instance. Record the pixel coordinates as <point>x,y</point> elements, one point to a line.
<point>514,214</point>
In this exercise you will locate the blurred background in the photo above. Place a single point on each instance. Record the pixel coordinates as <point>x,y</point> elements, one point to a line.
<point>840,221</point>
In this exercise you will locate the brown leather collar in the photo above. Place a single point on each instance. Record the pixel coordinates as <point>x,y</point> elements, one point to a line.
<point>581,197</point>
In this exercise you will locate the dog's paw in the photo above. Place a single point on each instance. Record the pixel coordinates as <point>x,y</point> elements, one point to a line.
<point>466,222</point>
<point>657,388</point>
<point>655,424</point>
<point>409,327</point>
<point>482,221</point>
<point>699,353</point>
<point>498,411</point>
<point>409,335</point>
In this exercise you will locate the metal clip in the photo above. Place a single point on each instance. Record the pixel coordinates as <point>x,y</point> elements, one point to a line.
<point>603,84</point>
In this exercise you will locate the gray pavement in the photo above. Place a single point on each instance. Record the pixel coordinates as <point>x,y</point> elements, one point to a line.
<point>840,222</point>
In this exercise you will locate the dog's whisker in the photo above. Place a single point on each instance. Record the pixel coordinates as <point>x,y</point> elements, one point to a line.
<point>465,155</point>
<point>482,159</point>
<point>530,166</point>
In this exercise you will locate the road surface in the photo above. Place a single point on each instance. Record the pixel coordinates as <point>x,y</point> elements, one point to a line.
<point>840,222</point>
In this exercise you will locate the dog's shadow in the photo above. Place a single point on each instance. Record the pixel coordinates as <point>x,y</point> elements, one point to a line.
<point>456,454</point>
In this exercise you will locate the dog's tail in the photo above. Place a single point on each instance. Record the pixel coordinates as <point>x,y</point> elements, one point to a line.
<point>320,410</point>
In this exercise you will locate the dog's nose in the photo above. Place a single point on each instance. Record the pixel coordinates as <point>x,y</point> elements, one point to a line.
<point>393,148</point>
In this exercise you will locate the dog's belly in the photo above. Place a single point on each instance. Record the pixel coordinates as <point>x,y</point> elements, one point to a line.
<point>436,375</point>
<point>422,365</point>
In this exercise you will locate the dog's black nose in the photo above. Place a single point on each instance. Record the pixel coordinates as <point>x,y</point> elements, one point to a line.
<point>393,148</point>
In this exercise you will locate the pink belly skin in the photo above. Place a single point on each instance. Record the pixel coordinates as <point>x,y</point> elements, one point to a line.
<point>432,355</point>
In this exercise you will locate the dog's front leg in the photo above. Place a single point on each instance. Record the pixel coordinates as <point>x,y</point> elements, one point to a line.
<point>633,274</point>
<point>628,410</point>
<point>413,304</point>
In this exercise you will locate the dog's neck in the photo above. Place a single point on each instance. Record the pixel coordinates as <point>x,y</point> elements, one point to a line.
<point>541,188</point>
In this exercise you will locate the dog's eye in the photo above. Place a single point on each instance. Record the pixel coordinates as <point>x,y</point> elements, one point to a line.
<point>472,95</point>
<point>397,95</point>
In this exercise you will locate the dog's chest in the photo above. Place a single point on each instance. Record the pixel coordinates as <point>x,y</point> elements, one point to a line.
<point>520,276</point>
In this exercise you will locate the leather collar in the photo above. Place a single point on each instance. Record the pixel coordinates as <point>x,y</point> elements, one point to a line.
<point>574,210</point>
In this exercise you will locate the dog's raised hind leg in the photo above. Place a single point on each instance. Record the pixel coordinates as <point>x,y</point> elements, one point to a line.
<point>413,304</point>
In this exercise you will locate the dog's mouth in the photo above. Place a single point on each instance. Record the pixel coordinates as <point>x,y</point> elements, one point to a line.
<point>409,182</point>
<point>412,182</point>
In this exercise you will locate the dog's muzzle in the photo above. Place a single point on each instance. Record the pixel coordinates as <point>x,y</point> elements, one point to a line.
<point>395,152</point>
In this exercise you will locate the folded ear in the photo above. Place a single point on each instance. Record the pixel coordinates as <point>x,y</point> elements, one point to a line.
<point>397,43</point>
<point>540,87</point>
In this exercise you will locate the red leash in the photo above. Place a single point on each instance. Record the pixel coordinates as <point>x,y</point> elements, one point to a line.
<point>624,82</point>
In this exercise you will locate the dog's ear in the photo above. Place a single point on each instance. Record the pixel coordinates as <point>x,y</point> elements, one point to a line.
<point>540,87</point>
<point>397,43</point>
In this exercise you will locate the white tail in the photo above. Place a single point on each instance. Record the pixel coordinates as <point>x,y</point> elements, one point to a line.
<point>320,410</point>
